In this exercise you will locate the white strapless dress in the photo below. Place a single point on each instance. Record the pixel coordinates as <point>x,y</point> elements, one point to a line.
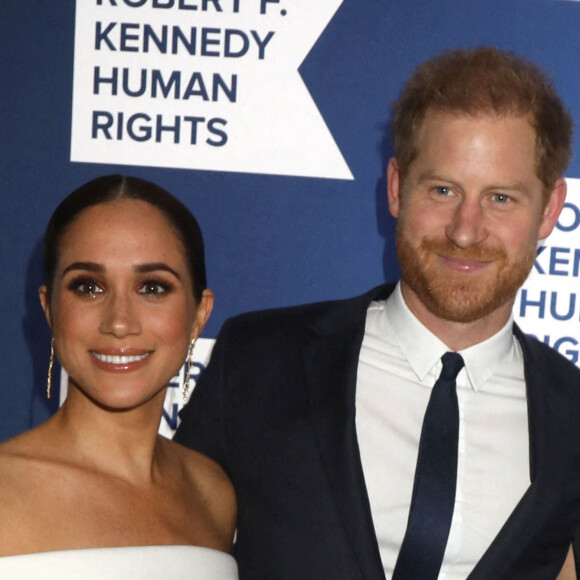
<point>139,563</point>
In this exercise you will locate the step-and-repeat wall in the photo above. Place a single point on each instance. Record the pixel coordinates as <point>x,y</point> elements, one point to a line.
<point>269,119</point>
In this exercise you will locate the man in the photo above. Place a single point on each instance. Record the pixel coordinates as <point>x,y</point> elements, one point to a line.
<point>347,459</point>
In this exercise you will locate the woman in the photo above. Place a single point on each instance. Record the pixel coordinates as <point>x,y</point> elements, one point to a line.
<point>95,492</point>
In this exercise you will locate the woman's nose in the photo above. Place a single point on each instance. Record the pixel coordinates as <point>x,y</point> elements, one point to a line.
<point>119,316</point>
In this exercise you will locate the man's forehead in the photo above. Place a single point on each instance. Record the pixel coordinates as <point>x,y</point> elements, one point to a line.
<point>451,115</point>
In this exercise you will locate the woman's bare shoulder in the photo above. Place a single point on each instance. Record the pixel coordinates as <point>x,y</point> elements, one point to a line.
<point>200,468</point>
<point>21,449</point>
<point>34,446</point>
<point>207,479</point>
<point>27,468</point>
<point>26,477</point>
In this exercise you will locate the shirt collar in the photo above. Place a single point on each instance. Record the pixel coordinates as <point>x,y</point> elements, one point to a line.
<point>423,350</point>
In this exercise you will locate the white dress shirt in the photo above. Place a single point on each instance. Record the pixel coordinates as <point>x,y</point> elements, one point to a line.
<point>398,365</point>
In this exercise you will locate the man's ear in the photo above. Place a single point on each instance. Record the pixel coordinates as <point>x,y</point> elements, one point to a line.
<point>553,208</point>
<point>204,309</point>
<point>45,303</point>
<point>393,187</point>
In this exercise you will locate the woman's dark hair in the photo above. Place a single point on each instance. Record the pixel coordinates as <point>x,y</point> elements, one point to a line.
<point>110,188</point>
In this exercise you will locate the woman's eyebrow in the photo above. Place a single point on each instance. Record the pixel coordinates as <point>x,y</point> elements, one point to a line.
<point>155,266</point>
<point>90,266</point>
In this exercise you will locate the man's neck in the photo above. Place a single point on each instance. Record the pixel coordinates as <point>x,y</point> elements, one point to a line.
<point>457,335</point>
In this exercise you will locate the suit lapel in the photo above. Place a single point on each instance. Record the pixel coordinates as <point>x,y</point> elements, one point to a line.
<point>330,362</point>
<point>518,549</point>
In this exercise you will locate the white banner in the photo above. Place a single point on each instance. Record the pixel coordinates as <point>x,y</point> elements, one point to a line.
<point>547,306</point>
<point>201,84</point>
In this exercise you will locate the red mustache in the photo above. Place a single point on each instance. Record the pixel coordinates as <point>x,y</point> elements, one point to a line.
<point>479,253</point>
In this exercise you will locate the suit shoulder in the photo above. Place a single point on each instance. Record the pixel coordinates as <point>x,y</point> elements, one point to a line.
<point>299,318</point>
<point>287,316</point>
<point>549,361</point>
<point>276,324</point>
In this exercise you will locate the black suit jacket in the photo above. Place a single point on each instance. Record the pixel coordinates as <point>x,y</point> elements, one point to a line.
<point>276,408</point>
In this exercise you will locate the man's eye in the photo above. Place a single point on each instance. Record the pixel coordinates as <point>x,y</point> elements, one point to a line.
<point>501,197</point>
<point>442,190</point>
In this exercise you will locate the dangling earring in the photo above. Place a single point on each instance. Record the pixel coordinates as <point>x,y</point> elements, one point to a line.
<point>50,365</point>
<point>185,389</point>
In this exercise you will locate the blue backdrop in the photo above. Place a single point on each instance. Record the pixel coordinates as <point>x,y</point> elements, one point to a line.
<point>272,240</point>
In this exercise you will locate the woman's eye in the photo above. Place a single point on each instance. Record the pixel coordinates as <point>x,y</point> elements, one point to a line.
<point>86,287</point>
<point>153,288</point>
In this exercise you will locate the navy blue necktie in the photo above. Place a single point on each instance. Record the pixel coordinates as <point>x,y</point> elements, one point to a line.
<point>433,499</point>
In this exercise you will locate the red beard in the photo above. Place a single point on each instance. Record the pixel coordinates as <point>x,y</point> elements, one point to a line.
<point>454,295</point>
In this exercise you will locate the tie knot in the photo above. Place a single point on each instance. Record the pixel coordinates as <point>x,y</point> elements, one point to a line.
<point>452,364</point>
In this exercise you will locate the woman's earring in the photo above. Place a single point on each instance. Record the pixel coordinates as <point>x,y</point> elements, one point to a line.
<point>50,365</point>
<point>188,364</point>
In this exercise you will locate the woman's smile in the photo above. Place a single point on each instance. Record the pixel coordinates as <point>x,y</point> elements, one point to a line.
<point>124,361</point>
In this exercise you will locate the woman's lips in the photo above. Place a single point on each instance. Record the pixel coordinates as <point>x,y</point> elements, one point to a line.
<point>120,360</point>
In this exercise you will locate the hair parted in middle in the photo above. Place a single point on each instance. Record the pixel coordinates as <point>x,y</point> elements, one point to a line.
<point>485,81</point>
<point>109,188</point>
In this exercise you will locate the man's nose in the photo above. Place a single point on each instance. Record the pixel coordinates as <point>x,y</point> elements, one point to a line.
<point>467,226</point>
